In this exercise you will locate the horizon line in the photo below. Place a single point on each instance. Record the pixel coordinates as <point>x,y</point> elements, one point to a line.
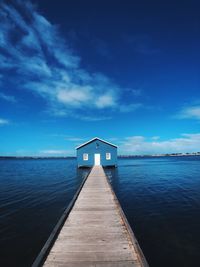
<point>119,156</point>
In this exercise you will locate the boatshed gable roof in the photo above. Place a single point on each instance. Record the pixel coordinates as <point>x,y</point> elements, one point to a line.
<point>93,139</point>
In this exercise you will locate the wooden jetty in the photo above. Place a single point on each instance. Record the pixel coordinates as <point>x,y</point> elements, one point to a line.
<point>94,232</point>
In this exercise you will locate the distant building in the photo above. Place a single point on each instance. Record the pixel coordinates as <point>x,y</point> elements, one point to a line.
<point>97,152</point>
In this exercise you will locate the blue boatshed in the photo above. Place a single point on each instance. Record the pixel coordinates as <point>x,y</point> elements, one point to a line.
<point>97,152</point>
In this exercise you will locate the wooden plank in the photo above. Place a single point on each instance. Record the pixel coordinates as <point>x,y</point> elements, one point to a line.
<point>95,234</point>
<point>82,256</point>
<point>97,264</point>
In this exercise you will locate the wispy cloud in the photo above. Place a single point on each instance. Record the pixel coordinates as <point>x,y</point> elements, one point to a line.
<point>74,139</point>
<point>96,118</point>
<point>8,98</point>
<point>4,122</point>
<point>43,62</point>
<point>190,112</point>
<point>130,107</point>
<point>67,137</point>
<point>142,145</point>
<point>55,152</point>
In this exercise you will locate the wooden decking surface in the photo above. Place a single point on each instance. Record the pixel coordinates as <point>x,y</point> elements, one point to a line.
<point>95,234</point>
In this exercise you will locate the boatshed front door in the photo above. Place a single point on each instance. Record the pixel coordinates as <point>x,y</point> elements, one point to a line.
<point>97,159</point>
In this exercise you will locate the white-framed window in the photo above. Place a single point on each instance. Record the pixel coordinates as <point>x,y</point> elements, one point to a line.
<point>85,156</point>
<point>108,156</point>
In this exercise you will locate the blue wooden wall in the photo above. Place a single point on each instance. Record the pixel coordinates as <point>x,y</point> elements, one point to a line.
<point>97,147</point>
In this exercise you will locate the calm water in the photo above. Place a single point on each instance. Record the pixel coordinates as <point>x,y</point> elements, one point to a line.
<point>160,196</point>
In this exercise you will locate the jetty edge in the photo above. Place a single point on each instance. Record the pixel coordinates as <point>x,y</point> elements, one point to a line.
<point>93,231</point>
<point>54,234</point>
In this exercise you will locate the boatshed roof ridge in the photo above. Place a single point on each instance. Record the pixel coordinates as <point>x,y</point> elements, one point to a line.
<point>93,139</point>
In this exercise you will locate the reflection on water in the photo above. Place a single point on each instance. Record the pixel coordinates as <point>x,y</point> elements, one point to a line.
<point>34,194</point>
<point>160,197</point>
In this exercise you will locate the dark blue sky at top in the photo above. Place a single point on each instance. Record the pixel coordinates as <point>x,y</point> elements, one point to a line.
<point>131,39</point>
<point>126,71</point>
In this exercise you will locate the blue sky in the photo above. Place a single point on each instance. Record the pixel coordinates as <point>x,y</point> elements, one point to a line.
<point>125,71</point>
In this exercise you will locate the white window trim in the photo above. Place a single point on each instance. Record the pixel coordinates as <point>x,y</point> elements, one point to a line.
<point>108,156</point>
<point>85,156</point>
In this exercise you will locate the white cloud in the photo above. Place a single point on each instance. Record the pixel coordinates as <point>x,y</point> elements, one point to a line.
<point>155,137</point>
<point>46,65</point>
<point>4,122</point>
<point>192,112</point>
<point>142,145</point>
<point>76,96</point>
<point>106,100</point>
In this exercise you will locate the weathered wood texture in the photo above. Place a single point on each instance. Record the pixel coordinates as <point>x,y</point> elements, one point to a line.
<point>96,232</point>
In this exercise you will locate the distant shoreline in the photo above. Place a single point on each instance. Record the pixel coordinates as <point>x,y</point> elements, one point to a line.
<point>120,156</point>
<point>34,157</point>
<point>161,155</point>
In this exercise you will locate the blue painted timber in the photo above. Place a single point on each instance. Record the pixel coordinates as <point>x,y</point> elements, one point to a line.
<point>97,152</point>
